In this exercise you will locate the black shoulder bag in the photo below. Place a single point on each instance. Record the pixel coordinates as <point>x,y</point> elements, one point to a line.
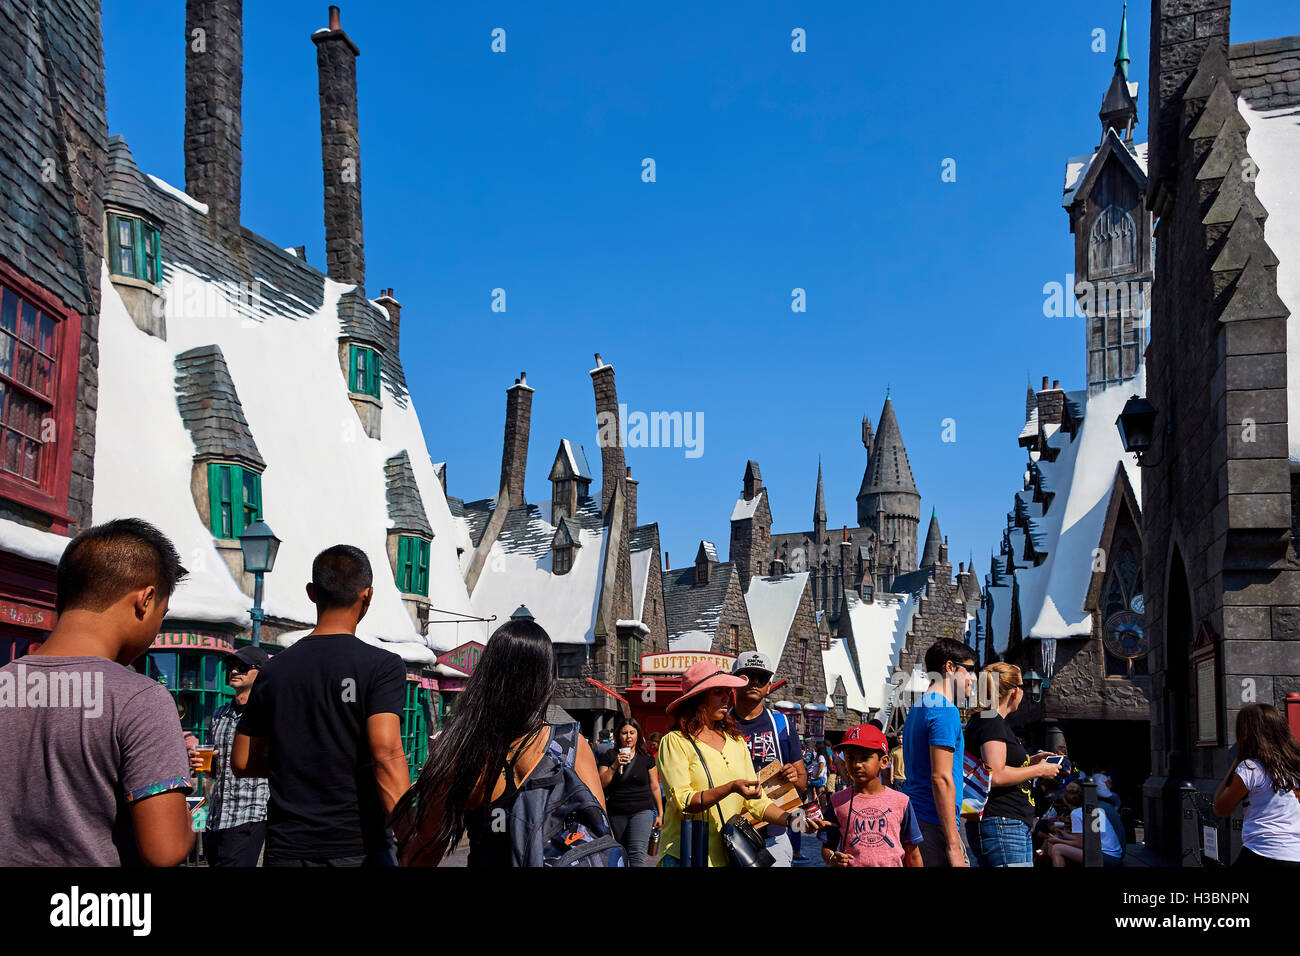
<point>741,839</point>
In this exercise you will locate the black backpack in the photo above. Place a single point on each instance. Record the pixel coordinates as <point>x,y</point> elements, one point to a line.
<point>554,820</point>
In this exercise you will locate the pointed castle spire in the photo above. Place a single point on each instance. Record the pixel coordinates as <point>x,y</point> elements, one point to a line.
<point>931,556</point>
<point>819,507</point>
<point>1121,55</point>
<point>1119,106</point>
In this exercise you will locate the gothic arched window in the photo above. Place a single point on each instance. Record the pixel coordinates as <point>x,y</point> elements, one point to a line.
<point>1124,635</point>
<point>1112,244</point>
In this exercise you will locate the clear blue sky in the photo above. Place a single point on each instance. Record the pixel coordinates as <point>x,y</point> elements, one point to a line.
<point>775,170</point>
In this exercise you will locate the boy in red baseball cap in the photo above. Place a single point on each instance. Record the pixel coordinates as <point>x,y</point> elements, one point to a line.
<point>876,825</point>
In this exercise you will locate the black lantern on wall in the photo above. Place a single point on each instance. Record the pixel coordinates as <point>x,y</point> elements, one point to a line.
<point>1137,426</point>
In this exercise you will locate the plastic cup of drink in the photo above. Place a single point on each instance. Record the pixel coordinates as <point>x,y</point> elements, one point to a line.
<point>205,757</point>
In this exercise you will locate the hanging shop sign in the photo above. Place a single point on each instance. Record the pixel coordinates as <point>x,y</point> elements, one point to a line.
<point>678,662</point>
<point>192,641</point>
<point>464,658</point>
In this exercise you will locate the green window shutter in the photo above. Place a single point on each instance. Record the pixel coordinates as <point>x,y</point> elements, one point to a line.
<point>141,253</point>
<point>214,500</point>
<point>374,373</point>
<point>352,375</point>
<point>257,491</point>
<point>114,259</point>
<point>404,564</point>
<point>423,583</point>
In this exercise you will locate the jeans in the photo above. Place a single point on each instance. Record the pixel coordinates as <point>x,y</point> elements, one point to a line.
<point>632,830</point>
<point>235,846</point>
<point>1005,842</point>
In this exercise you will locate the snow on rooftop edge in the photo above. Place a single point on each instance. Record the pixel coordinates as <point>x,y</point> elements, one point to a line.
<point>772,603</point>
<point>169,189</point>
<point>1275,145</point>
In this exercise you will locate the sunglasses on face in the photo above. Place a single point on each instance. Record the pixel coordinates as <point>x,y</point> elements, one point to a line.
<point>756,678</point>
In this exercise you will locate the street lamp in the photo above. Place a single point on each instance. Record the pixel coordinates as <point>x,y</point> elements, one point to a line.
<point>259,545</point>
<point>1034,681</point>
<point>1137,426</point>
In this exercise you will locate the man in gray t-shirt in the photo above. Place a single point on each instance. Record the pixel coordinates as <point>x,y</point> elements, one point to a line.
<point>93,765</point>
<point>69,770</point>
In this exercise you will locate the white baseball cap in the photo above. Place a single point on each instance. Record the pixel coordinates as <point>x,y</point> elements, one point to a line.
<point>753,661</point>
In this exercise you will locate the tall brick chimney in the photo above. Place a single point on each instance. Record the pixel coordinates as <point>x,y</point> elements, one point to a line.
<point>612,465</point>
<point>514,452</point>
<point>214,80</point>
<point>1181,30</point>
<point>340,140</point>
<point>630,484</point>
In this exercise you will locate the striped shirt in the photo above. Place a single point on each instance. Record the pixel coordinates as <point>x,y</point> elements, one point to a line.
<point>235,800</point>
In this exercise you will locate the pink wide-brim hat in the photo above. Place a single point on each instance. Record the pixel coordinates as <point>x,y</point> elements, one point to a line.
<point>703,676</point>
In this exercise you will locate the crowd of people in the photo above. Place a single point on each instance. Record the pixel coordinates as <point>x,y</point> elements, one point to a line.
<point>306,766</point>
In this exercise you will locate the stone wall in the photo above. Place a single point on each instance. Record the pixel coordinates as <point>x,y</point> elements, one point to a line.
<point>803,628</point>
<point>214,78</point>
<point>941,613</point>
<point>336,64</point>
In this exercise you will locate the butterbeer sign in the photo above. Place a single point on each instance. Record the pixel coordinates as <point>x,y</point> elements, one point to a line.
<point>679,661</point>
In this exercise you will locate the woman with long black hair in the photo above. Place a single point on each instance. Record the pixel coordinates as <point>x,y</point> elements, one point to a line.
<point>498,736</point>
<point>1266,773</point>
<point>632,795</point>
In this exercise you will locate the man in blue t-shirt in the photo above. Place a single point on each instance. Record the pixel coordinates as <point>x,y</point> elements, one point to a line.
<point>933,745</point>
<point>769,738</point>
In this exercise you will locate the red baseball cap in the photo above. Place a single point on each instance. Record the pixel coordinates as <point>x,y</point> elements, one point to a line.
<point>867,736</point>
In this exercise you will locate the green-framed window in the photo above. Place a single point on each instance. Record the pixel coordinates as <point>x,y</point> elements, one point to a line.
<point>415,727</point>
<point>197,682</point>
<point>413,565</point>
<point>133,248</point>
<point>235,497</point>
<point>364,379</point>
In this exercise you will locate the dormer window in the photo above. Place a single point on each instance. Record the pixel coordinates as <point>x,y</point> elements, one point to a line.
<point>563,545</point>
<point>702,572</point>
<point>133,248</point>
<point>235,497</point>
<point>412,565</point>
<point>364,375</point>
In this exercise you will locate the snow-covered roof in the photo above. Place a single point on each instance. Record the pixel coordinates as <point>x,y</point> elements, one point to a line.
<point>1000,617</point>
<point>1052,594</point>
<point>31,542</point>
<point>325,481</point>
<point>518,571</point>
<point>772,603</point>
<point>691,641</point>
<point>1076,168</point>
<point>1275,145</point>
<point>879,632</point>
<point>747,509</point>
<point>641,561</point>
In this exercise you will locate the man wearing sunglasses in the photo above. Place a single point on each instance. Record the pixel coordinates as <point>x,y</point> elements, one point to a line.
<point>933,745</point>
<point>237,814</point>
<point>769,738</point>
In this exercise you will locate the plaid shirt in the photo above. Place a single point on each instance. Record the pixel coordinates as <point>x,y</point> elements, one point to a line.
<point>235,800</point>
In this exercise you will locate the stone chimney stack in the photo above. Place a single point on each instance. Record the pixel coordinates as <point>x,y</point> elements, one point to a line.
<point>612,465</point>
<point>394,310</point>
<point>630,484</point>
<point>214,80</point>
<point>514,452</point>
<point>1051,404</point>
<point>336,64</point>
<point>1181,31</point>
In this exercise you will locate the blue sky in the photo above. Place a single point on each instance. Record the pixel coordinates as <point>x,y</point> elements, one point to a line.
<point>775,170</point>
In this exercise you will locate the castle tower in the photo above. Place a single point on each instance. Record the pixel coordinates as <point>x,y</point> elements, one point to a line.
<point>889,503</point>
<point>931,555</point>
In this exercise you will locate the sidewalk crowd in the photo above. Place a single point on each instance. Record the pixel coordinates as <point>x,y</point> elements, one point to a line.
<point>308,768</point>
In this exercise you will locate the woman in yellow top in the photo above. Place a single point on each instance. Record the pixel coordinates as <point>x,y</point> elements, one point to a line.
<point>703,713</point>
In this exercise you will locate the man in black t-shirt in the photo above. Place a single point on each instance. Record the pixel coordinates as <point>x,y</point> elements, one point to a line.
<point>323,725</point>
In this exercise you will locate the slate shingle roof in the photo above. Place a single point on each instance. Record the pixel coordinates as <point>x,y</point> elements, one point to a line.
<point>405,506</point>
<point>210,408</point>
<point>38,226</point>
<point>692,607</point>
<point>276,280</point>
<point>643,537</point>
<point>526,530</point>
